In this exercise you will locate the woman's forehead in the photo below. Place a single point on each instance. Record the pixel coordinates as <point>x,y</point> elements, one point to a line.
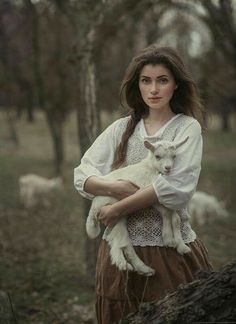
<point>155,70</point>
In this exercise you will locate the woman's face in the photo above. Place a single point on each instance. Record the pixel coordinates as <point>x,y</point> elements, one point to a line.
<point>157,85</point>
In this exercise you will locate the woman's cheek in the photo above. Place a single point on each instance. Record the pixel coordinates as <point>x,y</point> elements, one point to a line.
<point>168,92</point>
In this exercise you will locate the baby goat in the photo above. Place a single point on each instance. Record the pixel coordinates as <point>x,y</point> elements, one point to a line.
<point>160,159</point>
<point>36,190</point>
<point>205,208</point>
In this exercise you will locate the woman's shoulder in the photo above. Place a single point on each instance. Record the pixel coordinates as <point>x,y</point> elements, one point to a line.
<point>185,121</point>
<point>116,128</point>
<point>119,125</point>
<point>121,121</point>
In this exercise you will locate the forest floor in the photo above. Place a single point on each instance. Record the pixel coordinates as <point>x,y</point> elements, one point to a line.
<point>42,260</point>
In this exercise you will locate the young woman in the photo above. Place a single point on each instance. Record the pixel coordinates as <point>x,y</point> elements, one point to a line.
<point>164,104</point>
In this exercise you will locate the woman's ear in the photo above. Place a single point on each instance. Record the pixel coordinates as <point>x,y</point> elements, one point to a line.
<point>176,86</point>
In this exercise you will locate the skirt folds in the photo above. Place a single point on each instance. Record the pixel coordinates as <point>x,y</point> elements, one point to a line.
<point>119,293</point>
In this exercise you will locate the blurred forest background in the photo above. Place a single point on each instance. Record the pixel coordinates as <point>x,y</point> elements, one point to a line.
<point>61,64</point>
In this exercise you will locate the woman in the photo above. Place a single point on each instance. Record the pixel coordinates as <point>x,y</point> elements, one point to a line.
<point>164,104</point>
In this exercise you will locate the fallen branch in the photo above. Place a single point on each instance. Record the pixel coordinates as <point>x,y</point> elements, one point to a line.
<point>209,299</point>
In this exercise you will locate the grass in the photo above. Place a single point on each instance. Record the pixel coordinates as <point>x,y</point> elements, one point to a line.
<point>42,258</point>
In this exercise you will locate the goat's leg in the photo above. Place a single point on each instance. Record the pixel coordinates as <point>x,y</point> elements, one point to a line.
<point>92,223</point>
<point>118,238</point>
<point>167,231</point>
<point>122,252</point>
<point>182,248</point>
<point>136,262</point>
<point>118,259</point>
<point>30,200</point>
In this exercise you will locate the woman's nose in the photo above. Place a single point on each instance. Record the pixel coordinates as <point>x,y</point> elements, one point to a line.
<point>154,88</point>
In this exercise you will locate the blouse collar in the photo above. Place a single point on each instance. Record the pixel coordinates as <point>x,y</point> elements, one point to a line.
<point>160,131</point>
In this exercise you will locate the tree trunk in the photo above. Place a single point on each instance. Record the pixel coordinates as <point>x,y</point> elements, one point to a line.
<point>88,129</point>
<point>56,130</point>
<point>210,299</point>
<point>225,120</point>
<point>29,101</point>
<point>88,114</point>
<point>12,128</point>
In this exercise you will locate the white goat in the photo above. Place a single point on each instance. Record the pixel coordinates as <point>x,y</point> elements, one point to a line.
<point>160,159</point>
<point>204,208</point>
<point>36,190</point>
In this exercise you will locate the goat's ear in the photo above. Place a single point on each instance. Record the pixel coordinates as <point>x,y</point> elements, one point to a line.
<point>182,142</point>
<point>149,146</point>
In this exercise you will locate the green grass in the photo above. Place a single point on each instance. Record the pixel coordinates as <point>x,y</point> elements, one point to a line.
<point>42,252</point>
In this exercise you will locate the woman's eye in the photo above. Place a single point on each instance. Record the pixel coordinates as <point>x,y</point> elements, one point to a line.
<point>163,81</point>
<point>145,81</point>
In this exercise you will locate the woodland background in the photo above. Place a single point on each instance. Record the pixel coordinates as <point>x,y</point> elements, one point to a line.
<point>61,64</point>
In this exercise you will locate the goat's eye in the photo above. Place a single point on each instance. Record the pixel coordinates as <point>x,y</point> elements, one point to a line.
<point>158,157</point>
<point>174,156</point>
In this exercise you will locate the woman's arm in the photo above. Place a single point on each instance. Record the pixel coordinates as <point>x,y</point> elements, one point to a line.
<point>176,189</point>
<point>111,214</point>
<point>118,189</point>
<point>99,157</point>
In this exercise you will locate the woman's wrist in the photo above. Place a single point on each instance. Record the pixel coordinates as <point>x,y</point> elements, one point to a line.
<point>118,208</point>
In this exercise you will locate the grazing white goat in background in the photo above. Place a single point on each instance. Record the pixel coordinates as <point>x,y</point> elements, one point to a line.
<point>36,190</point>
<point>205,208</point>
<point>160,159</point>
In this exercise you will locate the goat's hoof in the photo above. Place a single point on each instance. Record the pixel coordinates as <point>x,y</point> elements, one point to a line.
<point>125,266</point>
<point>148,272</point>
<point>183,249</point>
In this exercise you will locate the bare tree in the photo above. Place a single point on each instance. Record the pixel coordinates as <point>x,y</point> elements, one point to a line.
<point>51,70</point>
<point>7,69</point>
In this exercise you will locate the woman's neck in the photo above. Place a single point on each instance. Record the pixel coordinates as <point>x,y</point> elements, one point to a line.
<point>159,117</point>
<point>156,119</point>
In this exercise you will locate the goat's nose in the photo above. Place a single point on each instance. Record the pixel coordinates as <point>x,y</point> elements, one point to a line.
<point>167,168</point>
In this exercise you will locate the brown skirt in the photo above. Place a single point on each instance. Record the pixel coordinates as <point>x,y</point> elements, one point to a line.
<point>120,293</point>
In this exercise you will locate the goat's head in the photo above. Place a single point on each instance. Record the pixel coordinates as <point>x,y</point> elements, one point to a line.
<point>163,153</point>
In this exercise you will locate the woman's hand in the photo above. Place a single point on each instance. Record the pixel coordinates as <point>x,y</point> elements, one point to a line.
<point>109,215</point>
<point>121,189</point>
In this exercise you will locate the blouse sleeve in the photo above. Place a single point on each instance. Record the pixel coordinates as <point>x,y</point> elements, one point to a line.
<point>175,190</point>
<point>98,158</point>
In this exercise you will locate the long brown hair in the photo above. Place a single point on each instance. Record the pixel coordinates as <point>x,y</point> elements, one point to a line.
<point>185,98</point>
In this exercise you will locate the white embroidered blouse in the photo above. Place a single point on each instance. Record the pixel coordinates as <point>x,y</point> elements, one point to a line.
<point>173,190</point>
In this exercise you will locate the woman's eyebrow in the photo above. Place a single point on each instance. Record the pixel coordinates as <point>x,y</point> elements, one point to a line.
<point>148,77</point>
